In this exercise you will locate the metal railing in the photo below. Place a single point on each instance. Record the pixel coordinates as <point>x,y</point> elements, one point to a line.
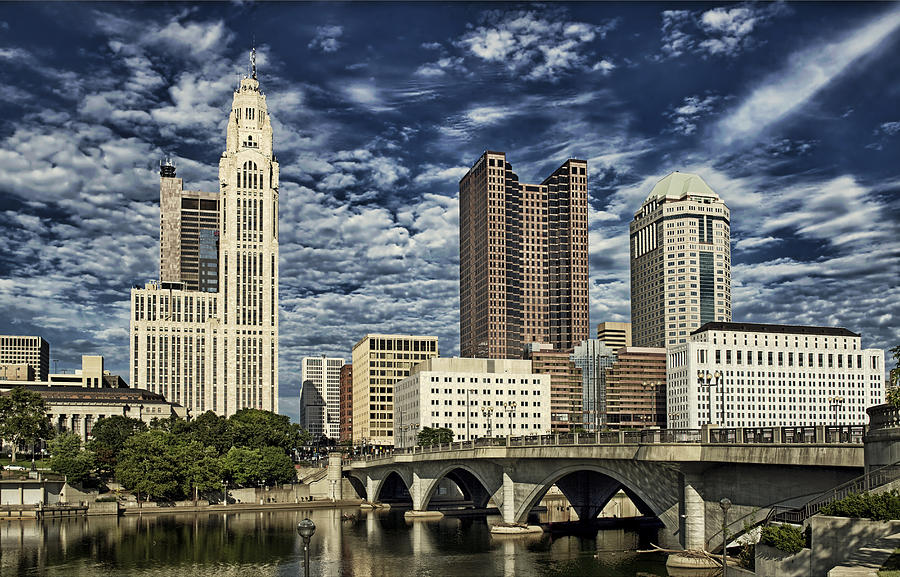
<point>871,480</point>
<point>820,434</point>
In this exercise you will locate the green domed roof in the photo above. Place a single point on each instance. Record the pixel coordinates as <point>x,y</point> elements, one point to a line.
<point>679,185</point>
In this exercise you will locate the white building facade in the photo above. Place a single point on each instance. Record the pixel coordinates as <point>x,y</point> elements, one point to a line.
<point>772,375</point>
<point>219,350</point>
<point>473,398</point>
<point>320,396</point>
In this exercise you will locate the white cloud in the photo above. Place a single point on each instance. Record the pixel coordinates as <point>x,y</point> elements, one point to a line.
<point>685,117</point>
<point>807,73</point>
<point>716,32</point>
<point>889,128</point>
<point>326,38</point>
<point>538,46</point>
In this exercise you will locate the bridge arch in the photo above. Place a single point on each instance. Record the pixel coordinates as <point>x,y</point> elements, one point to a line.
<point>473,483</point>
<point>394,481</point>
<point>610,481</point>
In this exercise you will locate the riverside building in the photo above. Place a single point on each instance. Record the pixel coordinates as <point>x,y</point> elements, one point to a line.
<point>523,263</point>
<point>593,357</point>
<point>473,398</point>
<point>320,396</point>
<point>206,334</point>
<point>636,389</point>
<point>680,261</point>
<point>379,361</point>
<point>760,375</point>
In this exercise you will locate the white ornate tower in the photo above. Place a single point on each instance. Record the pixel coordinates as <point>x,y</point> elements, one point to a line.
<point>217,349</point>
<point>248,252</point>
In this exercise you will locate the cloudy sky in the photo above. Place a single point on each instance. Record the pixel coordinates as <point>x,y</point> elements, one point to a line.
<point>791,112</point>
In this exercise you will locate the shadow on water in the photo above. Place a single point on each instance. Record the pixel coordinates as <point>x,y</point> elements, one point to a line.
<point>368,544</point>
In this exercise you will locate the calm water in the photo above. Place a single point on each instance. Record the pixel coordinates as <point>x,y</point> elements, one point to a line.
<point>378,544</point>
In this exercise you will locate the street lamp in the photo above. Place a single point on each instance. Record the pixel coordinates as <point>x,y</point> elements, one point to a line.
<point>836,403</point>
<point>511,411</point>
<point>306,528</point>
<point>725,503</point>
<point>487,412</point>
<point>721,384</point>
<point>704,379</point>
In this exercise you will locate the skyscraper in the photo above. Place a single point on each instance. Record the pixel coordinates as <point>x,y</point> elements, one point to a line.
<point>680,261</point>
<point>593,357</point>
<point>522,258</point>
<point>206,334</point>
<point>320,396</point>
<point>33,351</point>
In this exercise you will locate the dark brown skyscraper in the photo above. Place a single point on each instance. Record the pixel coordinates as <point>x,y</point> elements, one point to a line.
<point>523,259</point>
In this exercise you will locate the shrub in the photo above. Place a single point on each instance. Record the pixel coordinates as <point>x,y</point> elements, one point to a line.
<point>785,538</point>
<point>892,397</point>
<point>876,506</point>
<point>106,499</point>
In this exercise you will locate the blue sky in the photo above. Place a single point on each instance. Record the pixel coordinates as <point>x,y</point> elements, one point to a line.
<point>791,112</point>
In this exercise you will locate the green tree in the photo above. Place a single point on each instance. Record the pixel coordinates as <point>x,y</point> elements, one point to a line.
<point>69,459</point>
<point>149,464</point>
<point>255,429</point>
<point>108,438</point>
<point>432,436</point>
<point>212,430</point>
<point>250,467</point>
<point>23,417</point>
<point>201,468</point>
<point>895,372</point>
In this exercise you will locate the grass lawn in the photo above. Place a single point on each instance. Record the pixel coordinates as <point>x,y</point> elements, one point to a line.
<point>891,567</point>
<point>23,461</point>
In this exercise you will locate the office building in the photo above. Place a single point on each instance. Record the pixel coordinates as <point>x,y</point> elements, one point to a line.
<point>379,361</point>
<point>206,334</point>
<point>32,351</point>
<point>761,375</point>
<point>346,433</point>
<point>593,357</point>
<point>680,261</point>
<point>565,386</point>
<point>636,389</point>
<point>614,335</point>
<point>523,259</point>
<point>320,396</point>
<point>473,398</point>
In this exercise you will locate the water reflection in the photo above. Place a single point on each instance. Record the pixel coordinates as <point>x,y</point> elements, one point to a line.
<point>373,544</point>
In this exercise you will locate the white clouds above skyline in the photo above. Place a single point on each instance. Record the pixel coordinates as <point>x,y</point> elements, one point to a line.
<point>371,157</point>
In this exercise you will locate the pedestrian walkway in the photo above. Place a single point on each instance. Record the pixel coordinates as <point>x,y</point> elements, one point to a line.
<point>867,560</point>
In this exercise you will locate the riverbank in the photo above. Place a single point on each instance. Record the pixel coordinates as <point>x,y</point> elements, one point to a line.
<point>240,507</point>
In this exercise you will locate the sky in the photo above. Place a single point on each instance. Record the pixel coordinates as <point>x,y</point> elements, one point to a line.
<point>790,112</point>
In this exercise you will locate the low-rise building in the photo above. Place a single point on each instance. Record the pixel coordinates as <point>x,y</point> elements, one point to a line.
<point>473,398</point>
<point>565,386</point>
<point>762,375</point>
<point>76,401</point>
<point>346,433</point>
<point>593,357</point>
<point>636,389</point>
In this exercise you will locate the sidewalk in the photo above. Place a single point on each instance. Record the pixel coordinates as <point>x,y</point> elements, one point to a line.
<point>240,507</point>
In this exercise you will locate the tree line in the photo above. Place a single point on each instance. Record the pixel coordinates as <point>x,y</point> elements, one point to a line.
<point>171,458</point>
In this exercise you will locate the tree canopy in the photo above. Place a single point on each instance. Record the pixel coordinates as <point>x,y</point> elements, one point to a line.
<point>67,458</point>
<point>23,417</point>
<point>108,438</point>
<point>432,436</point>
<point>255,429</point>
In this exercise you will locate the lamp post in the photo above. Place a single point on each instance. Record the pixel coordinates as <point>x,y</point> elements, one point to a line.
<point>725,504</point>
<point>487,412</point>
<point>511,412</point>
<point>836,403</point>
<point>721,384</point>
<point>468,437</point>
<point>306,528</point>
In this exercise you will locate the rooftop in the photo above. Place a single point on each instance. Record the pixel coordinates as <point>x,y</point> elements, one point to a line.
<point>680,184</point>
<point>776,329</point>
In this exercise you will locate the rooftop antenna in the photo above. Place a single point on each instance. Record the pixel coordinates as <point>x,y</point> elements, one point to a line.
<point>253,59</point>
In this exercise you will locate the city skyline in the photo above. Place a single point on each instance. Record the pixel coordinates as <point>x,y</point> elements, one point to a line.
<point>373,135</point>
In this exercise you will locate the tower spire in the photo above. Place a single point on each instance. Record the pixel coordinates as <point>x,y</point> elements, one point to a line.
<point>253,60</point>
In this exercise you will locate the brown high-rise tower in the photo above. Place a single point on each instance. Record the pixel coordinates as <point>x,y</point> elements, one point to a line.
<point>523,271</point>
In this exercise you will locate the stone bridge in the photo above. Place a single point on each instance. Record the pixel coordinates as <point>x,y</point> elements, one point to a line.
<point>681,484</point>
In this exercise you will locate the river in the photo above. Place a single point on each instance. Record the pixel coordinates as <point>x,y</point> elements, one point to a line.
<point>247,544</point>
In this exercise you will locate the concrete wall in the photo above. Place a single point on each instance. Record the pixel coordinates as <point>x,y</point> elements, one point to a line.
<point>29,492</point>
<point>286,494</point>
<point>772,562</point>
<point>834,538</point>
